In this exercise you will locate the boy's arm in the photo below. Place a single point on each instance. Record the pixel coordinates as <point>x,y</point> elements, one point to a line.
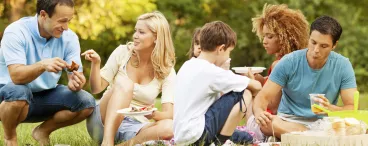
<point>166,113</point>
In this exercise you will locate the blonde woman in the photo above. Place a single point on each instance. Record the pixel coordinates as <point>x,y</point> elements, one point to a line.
<point>134,75</point>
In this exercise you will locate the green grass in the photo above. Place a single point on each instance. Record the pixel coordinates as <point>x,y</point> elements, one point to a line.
<point>77,135</point>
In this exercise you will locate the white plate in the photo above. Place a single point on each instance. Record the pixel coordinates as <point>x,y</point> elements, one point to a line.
<point>245,69</point>
<point>126,112</point>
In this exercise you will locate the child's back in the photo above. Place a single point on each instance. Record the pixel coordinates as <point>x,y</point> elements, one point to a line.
<point>199,84</point>
<point>200,111</point>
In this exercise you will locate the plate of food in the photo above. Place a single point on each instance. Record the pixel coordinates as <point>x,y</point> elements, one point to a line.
<point>254,70</point>
<point>134,111</point>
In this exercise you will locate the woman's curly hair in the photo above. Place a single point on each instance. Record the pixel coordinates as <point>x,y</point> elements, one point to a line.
<point>290,26</point>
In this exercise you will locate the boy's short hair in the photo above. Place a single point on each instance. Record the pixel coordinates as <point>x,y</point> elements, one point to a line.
<point>216,33</point>
<point>328,26</point>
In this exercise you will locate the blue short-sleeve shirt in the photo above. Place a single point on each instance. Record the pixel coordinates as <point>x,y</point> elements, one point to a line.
<point>299,80</point>
<point>22,44</point>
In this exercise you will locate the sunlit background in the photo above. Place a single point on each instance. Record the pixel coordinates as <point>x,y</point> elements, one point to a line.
<point>104,24</point>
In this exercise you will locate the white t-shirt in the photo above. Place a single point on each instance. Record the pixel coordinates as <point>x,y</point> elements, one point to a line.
<point>198,85</point>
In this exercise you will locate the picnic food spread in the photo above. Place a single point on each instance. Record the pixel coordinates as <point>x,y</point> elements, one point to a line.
<point>73,67</point>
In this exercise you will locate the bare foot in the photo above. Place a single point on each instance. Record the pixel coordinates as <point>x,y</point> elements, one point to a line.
<point>41,137</point>
<point>12,142</point>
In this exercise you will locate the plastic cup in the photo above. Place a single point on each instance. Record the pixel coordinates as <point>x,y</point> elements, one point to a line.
<point>315,99</point>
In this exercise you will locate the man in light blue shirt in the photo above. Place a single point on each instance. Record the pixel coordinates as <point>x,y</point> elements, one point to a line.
<point>316,69</point>
<point>33,53</point>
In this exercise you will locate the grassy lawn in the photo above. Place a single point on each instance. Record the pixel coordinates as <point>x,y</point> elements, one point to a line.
<point>77,135</point>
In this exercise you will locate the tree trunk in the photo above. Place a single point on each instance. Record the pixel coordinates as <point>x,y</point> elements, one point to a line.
<point>14,9</point>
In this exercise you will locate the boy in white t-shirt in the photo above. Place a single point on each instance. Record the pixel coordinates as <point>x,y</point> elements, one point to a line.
<point>201,114</point>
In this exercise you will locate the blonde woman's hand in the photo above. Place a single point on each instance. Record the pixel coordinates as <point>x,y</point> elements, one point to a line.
<point>150,116</point>
<point>91,55</point>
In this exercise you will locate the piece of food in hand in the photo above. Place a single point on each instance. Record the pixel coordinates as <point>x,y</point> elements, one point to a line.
<point>73,67</point>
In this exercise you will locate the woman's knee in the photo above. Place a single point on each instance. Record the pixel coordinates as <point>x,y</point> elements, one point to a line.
<point>86,112</point>
<point>166,129</point>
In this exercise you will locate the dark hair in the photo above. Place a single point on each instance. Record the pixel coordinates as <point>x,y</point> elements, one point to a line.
<point>195,40</point>
<point>327,25</point>
<point>216,33</point>
<point>49,5</point>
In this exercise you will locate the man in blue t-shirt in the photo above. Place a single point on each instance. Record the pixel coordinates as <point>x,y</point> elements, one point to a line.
<point>33,53</point>
<point>316,69</point>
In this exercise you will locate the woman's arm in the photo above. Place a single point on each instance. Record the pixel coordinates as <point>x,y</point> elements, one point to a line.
<point>97,83</point>
<point>166,113</point>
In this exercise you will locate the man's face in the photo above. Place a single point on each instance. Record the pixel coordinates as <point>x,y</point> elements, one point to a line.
<point>58,23</point>
<point>320,45</point>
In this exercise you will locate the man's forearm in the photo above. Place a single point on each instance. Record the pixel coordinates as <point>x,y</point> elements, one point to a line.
<point>24,74</point>
<point>260,105</point>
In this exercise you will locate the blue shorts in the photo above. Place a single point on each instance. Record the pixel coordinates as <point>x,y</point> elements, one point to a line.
<point>128,128</point>
<point>44,104</point>
<point>217,115</point>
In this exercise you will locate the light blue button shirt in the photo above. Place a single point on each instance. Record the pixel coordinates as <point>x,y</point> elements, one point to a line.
<point>22,44</point>
<point>298,80</point>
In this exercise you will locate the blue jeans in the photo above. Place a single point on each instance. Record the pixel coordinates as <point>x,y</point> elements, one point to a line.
<point>44,104</point>
<point>216,117</point>
<point>128,128</point>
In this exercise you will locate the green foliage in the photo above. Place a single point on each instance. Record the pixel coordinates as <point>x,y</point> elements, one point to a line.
<point>249,51</point>
<point>103,25</point>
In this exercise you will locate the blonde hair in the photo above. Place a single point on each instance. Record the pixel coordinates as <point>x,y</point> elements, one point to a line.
<point>290,27</point>
<point>163,54</point>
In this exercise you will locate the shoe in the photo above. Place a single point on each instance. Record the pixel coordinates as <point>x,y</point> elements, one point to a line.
<point>241,137</point>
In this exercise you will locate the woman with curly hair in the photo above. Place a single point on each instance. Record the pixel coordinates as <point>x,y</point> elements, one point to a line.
<point>135,74</point>
<point>282,30</point>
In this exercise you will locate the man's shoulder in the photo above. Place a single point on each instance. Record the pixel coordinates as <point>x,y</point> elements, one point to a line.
<point>293,57</point>
<point>337,56</point>
<point>296,54</point>
<point>19,26</point>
